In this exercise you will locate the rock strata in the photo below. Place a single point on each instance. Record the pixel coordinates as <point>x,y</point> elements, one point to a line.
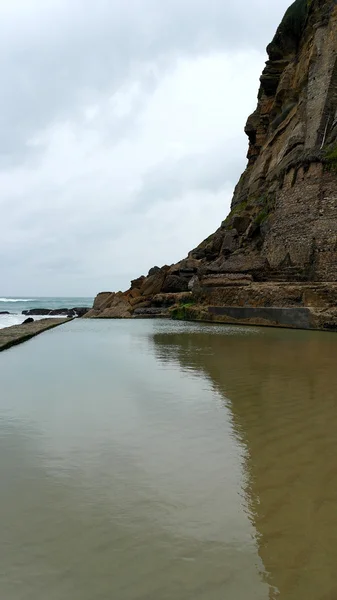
<point>278,245</point>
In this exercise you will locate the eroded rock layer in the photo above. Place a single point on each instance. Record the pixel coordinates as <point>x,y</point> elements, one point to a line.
<point>278,245</point>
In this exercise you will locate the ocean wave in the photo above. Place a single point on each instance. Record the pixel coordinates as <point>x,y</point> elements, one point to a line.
<point>18,319</point>
<point>17,299</point>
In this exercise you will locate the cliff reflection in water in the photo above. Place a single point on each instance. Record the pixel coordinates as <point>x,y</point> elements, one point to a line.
<point>281,388</point>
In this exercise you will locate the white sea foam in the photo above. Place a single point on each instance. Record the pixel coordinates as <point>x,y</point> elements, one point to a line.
<point>17,319</point>
<point>16,299</point>
<point>8,320</point>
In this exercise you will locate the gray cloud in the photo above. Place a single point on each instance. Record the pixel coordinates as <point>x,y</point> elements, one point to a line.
<point>117,117</point>
<point>209,171</point>
<point>56,56</point>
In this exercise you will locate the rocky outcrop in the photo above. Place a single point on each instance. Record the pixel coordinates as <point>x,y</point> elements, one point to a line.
<point>148,296</point>
<point>280,238</point>
<point>37,311</point>
<point>78,311</point>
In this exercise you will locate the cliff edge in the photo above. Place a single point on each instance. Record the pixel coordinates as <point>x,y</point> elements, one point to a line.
<point>278,246</point>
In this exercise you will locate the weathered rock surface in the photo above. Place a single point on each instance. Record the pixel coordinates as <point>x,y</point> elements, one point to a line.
<point>36,311</point>
<point>278,245</point>
<point>78,311</point>
<point>151,312</point>
<point>283,222</point>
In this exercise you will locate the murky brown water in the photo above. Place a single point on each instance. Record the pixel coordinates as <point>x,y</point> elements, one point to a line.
<point>164,461</point>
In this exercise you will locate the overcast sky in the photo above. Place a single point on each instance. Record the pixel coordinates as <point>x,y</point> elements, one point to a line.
<point>121,133</point>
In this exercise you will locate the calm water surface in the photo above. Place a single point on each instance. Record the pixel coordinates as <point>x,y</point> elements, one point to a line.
<point>163,461</point>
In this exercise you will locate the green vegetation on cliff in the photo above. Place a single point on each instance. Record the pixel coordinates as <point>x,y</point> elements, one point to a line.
<point>238,209</point>
<point>331,159</point>
<point>181,312</point>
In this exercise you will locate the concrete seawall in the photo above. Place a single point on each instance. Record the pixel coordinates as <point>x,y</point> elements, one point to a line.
<point>11,336</point>
<point>298,318</point>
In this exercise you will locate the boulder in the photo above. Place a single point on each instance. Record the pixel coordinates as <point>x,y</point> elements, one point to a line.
<point>153,285</point>
<point>153,271</point>
<point>144,304</point>
<point>101,300</point>
<point>134,293</point>
<point>194,284</point>
<point>119,311</point>
<point>29,320</point>
<point>37,311</point>
<point>175,283</point>
<point>116,306</point>
<point>137,300</point>
<point>4,312</point>
<point>199,253</point>
<point>137,283</point>
<point>241,223</point>
<point>58,311</point>
<point>230,242</point>
<point>187,264</point>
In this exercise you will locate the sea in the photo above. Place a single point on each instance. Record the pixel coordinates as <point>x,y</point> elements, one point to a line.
<point>15,305</point>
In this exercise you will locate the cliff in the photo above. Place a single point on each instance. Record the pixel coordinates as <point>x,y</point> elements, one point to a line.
<point>278,246</point>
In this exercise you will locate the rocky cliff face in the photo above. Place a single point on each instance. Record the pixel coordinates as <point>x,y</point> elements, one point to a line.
<point>283,221</point>
<point>281,233</point>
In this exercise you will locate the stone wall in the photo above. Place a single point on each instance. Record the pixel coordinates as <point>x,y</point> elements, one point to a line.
<point>320,296</point>
<point>303,228</point>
